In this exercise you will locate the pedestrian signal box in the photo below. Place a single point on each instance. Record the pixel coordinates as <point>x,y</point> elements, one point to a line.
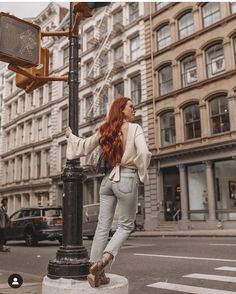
<point>42,70</point>
<point>19,41</point>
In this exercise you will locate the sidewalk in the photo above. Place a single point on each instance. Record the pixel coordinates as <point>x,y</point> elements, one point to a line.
<point>186,233</point>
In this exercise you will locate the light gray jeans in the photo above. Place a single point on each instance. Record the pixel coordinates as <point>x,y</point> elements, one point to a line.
<point>124,194</point>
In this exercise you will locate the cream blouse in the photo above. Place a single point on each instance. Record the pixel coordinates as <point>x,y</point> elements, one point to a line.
<point>136,154</point>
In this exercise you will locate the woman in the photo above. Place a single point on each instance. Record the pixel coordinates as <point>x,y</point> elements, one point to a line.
<point>123,146</point>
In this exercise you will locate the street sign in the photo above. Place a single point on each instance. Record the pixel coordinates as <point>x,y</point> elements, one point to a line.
<point>19,41</point>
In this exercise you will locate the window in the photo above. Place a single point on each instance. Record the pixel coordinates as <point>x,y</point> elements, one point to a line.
<point>104,64</point>
<point>215,60</point>
<point>40,128</point>
<point>119,90</point>
<point>165,80</point>
<point>136,89</point>
<point>118,17</point>
<point>160,5</point>
<point>31,97</point>
<point>119,53</point>
<point>66,55</point>
<point>134,48</point>
<point>10,87</point>
<point>88,66</point>
<point>192,125</point>
<point>65,90</point>
<point>41,96</point>
<point>104,102</point>
<point>22,100</point>
<point>29,131</point>
<point>48,125</point>
<point>219,114</point>
<point>38,164</point>
<point>51,62</point>
<point>64,118</point>
<point>167,124</point>
<point>233,7</point>
<point>88,104</point>
<point>63,155</point>
<point>189,71</point>
<point>90,36</point>
<point>49,92</point>
<point>234,40</point>
<point>47,161</point>
<point>186,25</point>
<point>133,11</point>
<point>163,37</point>
<point>28,160</point>
<point>211,13</point>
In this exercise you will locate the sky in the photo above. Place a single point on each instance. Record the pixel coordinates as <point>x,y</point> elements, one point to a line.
<point>26,9</point>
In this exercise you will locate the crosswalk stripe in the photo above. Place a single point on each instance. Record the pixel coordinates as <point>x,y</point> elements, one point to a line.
<point>188,289</point>
<point>221,244</point>
<point>226,268</point>
<point>212,277</point>
<point>185,257</point>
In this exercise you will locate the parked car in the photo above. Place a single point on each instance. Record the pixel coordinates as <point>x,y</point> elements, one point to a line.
<point>35,224</point>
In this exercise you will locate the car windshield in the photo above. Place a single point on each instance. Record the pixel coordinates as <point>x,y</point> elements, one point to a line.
<point>52,212</point>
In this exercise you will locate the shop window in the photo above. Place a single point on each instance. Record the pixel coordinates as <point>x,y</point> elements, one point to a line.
<point>225,187</point>
<point>167,125</point>
<point>211,13</point>
<point>186,25</point>
<point>192,124</point>
<point>136,89</point>
<point>133,11</point>
<point>215,60</point>
<point>165,80</point>
<point>197,191</point>
<point>219,114</point>
<point>189,71</point>
<point>163,37</point>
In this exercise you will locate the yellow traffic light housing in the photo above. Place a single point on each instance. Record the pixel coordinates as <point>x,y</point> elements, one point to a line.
<point>23,81</point>
<point>19,41</point>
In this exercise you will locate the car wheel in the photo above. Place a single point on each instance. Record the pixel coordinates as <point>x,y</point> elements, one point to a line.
<point>30,239</point>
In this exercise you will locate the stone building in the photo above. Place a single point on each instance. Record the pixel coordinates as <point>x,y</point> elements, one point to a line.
<point>191,94</point>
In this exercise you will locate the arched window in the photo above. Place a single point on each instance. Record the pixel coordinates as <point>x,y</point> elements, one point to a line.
<point>210,13</point>
<point>189,70</point>
<point>167,124</point>
<point>215,60</point>
<point>163,37</point>
<point>165,80</point>
<point>192,123</point>
<point>186,25</point>
<point>219,115</point>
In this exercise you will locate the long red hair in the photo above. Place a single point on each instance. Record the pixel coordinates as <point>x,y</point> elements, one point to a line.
<point>110,140</point>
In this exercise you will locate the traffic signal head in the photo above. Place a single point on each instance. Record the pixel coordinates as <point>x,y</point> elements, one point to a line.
<point>19,41</point>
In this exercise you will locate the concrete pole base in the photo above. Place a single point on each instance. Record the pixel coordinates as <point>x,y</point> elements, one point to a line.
<point>117,285</point>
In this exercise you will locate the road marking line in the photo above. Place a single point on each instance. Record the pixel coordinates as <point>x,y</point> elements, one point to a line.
<point>185,257</point>
<point>188,289</point>
<point>212,277</point>
<point>226,268</point>
<point>221,244</point>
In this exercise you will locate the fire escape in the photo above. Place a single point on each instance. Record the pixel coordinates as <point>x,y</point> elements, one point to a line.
<point>103,36</point>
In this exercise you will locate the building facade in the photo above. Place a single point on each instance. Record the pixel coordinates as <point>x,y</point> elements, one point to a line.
<point>191,51</point>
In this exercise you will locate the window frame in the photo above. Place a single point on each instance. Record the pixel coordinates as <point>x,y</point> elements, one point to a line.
<point>209,5</point>
<point>194,124</point>
<point>170,129</point>
<point>166,39</point>
<point>170,80</point>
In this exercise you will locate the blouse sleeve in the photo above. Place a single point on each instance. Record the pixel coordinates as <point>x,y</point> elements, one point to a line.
<point>143,157</point>
<point>77,147</point>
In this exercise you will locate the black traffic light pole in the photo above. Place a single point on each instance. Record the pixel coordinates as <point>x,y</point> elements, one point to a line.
<point>71,260</point>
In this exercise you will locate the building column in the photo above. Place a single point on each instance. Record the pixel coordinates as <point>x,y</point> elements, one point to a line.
<point>179,136</point>
<point>229,55</point>
<point>183,193</point>
<point>210,191</point>
<point>204,120</point>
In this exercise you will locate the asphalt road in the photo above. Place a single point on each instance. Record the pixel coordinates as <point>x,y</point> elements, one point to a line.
<point>152,265</point>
